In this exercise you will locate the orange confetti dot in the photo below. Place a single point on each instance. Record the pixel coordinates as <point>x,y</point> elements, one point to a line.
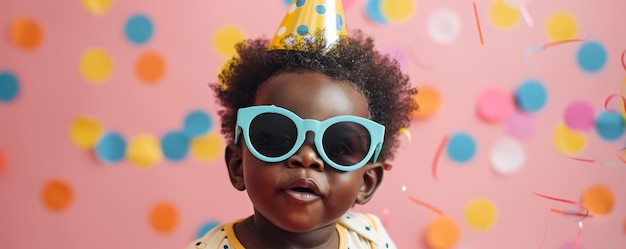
<point>163,217</point>
<point>599,199</point>
<point>428,100</point>
<point>25,33</point>
<point>442,233</point>
<point>150,67</point>
<point>57,195</point>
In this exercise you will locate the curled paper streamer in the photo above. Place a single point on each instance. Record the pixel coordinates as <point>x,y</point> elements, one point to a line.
<point>526,15</point>
<point>611,97</point>
<point>559,199</point>
<point>623,64</point>
<point>480,32</point>
<point>422,203</point>
<point>603,162</point>
<point>440,148</point>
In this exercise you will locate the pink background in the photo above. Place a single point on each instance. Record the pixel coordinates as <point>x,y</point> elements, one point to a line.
<point>111,203</point>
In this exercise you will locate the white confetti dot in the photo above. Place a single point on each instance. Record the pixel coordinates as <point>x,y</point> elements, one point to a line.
<point>507,156</point>
<point>444,26</point>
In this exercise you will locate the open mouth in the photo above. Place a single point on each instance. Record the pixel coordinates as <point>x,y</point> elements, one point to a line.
<point>303,190</point>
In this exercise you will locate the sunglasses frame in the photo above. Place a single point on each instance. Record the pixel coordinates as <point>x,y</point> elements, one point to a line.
<point>247,114</point>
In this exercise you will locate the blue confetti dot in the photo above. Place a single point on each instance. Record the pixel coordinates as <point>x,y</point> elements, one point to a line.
<point>139,29</point>
<point>299,3</point>
<point>320,9</point>
<point>373,11</point>
<point>175,146</point>
<point>196,123</point>
<point>610,125</point>
<point>461,147</point>
<point>339,22</point>
<point>531,96</point>
<point>111,147</point>
<point>591,57</point>
<point>288,2</point>
<point>9,86</point>
<point>206,227</point>
<point>302,30</point>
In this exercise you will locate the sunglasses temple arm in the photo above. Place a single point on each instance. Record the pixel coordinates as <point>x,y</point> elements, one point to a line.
<point>377,152</point>
<point>238,132</point>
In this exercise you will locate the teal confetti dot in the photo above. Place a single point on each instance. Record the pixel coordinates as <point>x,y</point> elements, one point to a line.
<point>196,123</point>
<point>175,146</point>
<point>139,29</point>
<point>206,227</point>
<point>531,96</point>
<point>591,57</point>
<point>461,147</point>
<point>373,11</point>
<point>300,3</point>
<point>9,86</point>
<point>609,125</point>
<point>111,147</point>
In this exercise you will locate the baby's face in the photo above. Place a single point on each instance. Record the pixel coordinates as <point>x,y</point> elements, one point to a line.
<point>302,193</point>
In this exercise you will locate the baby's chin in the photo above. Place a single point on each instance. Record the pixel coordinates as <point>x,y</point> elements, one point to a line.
<point>302,223</point>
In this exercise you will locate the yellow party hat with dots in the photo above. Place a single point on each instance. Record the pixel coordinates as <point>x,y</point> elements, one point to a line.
<point>305,19</point>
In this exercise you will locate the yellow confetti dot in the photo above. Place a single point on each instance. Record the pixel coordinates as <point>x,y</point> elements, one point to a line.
<point>96,7</point>
<point>225,40</point>
<point>567,141</point>
<point>503,15</point>
<point>144,151</point>
<point>25,33</point>
<point>480,214</point>
<point>429,100</point>
<point>57,195</point>
<point>561,26</point>
<point>442,233</point>
<point>397,10</point>
<point>96,65</point>
<point>163,217</point>
<point>599,199</point>
<point>85,131</point>
<point>206,148</point>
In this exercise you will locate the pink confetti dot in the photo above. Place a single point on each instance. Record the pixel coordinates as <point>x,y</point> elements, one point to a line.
<point>494,105</point>
<point>579,115</point>
<point>520,125</point>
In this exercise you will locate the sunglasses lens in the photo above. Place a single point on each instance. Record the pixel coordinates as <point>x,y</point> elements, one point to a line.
<point>272,135</point>
<point>346,143</point>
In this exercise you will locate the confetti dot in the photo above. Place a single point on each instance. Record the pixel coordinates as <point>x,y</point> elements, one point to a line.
<point>591,57</point>
<point>175,146</point>
<point>196,123</point>
<point>561,26</point>
<point>520,125</point>
<point>96,7</point>
<point>138,29</point>
<point>397,10</point>
<point>571,245</point>
<point>610,125</point>
<point>150,67</point>
<point>25,33</point>
<point>429,100</point>
<point>9,86</point>
<point>461,147</point>
<point>442,233</point>
<point>85,131</point>
<point>579,115</point>
<point>599,199</point>
<point>502,15</point>
<point>507,156</point>
<point>225,39</point>
<point>96,65</point>
<point>163,217</point>
<point>516,3</point>
<point>480,214</point>
<point>567,141</point>
<point>144,151</point>
<point>494,105</point>
<point>444,26</point>
<point>531,96</point>
<point>57,195</point>
<point>206,227</point>
<point>206,148</point>
<point>373,11</point>
<point>111,147</point>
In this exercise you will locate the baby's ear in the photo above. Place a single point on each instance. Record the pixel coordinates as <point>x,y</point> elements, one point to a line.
<point>233,158</point>
<point>372,178</point>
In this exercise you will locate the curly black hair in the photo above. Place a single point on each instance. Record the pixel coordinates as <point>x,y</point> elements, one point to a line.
<point>353,58</point>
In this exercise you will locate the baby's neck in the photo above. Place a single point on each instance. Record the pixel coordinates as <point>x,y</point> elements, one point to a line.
<point>256,232</point>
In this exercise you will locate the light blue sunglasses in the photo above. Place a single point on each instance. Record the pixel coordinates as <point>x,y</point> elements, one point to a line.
<point>274,134</point>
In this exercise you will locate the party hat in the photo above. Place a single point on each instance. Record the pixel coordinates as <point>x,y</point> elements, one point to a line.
<point>305,19</point>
